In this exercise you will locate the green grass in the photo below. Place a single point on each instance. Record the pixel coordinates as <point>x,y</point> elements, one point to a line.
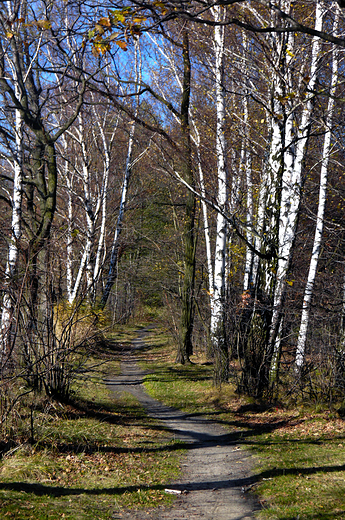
<point>90,459</point>
<point>299,456</point>
<point>188,387</point>
<point>302,468</point>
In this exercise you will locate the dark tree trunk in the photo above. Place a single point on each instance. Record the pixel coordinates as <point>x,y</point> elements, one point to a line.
<point>186,347</point>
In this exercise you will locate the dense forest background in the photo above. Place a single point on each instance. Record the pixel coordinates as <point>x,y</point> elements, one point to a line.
<point>181,161</point>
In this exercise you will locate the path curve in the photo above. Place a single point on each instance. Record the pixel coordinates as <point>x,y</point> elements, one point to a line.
<point>216,472</point>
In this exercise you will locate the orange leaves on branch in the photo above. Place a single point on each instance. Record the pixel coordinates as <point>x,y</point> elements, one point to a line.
<point>44,25</point>
<point>127,23</point>
<point>14,26</point>
<point>100,48</point>
<point>104,22</point>
<point>121,44</point>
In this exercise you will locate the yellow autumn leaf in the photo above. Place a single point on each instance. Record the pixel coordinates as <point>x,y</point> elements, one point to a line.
<point>161,6</point>
<point>102,47</point>
<point>139,20</point>
<point>43,24</point>
<point>120,17</point>
<point>105,22</point>
<point>113,36</point>
<point>122,45</point>
<point>99,28</point>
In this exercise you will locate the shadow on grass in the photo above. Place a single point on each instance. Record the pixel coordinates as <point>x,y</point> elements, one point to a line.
<point>243,430</point>
<point>242,483</point>
<point>185,373</point>
<point>91,448</point>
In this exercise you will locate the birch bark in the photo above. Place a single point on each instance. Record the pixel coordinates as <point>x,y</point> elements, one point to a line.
<point>291,193</point>
<point>308,292</point>
<point>13,247</point>
<point>12,257</point>
<point>107,146</point>
<point>82,169</point>
<point>221,354</point>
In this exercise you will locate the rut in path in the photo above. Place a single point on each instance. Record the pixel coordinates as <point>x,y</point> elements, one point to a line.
<point>216,472</point>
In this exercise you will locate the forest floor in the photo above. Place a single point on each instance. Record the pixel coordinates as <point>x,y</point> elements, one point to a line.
<point>216,473</point>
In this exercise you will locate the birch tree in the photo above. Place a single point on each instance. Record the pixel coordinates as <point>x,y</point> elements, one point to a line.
<point>291,192</point>
<point>114,256</point>
<point>220,346</point>
<point>279,199</point>
<point>326,152</point>
<point>86,153</point>
<point>16,225</point>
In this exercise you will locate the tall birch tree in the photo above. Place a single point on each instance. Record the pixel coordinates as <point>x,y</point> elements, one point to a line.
<point>291,186</point>
<point>220,347</point>
<point>326,152</point>
<point>114,256</point>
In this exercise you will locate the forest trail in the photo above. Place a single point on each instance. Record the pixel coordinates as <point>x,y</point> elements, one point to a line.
<point>216,472</point>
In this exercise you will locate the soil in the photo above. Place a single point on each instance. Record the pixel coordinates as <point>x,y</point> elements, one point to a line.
<point>216,473</point>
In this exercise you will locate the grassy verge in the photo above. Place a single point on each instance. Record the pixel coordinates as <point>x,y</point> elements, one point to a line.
<point>299,454</point>
<point>89,459</point>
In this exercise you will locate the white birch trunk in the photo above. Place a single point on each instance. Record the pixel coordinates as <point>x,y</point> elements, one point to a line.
<point>248,280</point>
<point>204,212</point>
<point>246,167</point>
<point>68,178</point>
<point>69,244</point>
<point>218,293</point>
<point>128,170</point>
<point>115,247</point>
<point>99,260</point>
<point>12,257</point>
<point>301,342</point>
<point>291,193</point>
<point>90,212</point>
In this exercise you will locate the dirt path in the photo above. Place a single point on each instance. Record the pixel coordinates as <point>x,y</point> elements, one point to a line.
<point>216,472</point>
